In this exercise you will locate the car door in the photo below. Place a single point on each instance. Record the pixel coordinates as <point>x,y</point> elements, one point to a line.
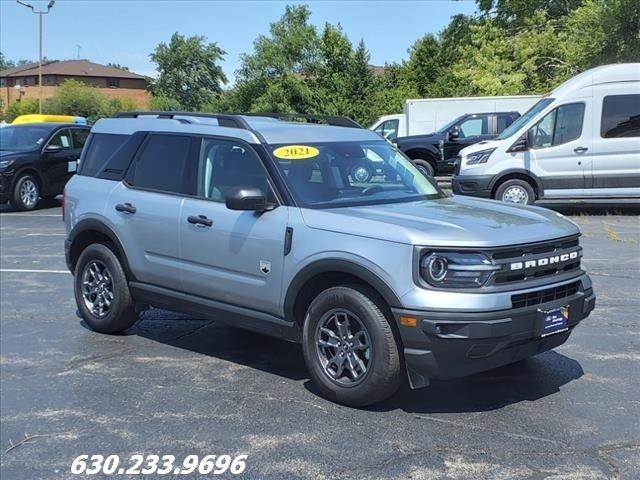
<point>56,156</point>
<point>234,257</point>
<point>471,129</point>
<point>560,149</point>
<point>79,137</point>
<point>145,209</point>
<point>615,168</point>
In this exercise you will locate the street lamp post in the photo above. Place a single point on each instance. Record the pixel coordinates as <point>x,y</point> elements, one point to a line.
<point>40,13</point>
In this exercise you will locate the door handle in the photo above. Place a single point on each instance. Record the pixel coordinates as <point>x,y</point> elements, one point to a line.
<point>200,221</point>
<point>580,149</point>
<point>125,208</point>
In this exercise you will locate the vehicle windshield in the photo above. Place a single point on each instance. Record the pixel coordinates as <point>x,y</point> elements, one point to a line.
<point>344,174</point>
<point>22,138</point>
<point>448,126</point>
<point>524,119</point>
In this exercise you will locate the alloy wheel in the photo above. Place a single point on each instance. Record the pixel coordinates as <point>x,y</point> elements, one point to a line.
<point>97,288</point>
<point>515,194</point>
<point>28,193</point>
<point>343,347</point>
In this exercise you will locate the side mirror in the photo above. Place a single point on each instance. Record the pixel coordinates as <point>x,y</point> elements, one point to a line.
<point>52,149</point>
<point>521,145</point>
<point>247,198</point>
<point>454,133</point>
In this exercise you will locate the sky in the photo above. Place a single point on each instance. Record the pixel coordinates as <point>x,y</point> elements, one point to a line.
<point>126,31</point>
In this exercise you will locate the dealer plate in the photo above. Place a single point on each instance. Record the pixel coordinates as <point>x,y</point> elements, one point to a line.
<point>554,321</point>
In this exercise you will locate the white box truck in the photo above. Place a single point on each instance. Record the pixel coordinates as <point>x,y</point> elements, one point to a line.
<point>429,114</point>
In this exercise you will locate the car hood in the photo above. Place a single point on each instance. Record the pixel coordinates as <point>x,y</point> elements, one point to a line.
<point>5,154</point>
<point>453,221</point>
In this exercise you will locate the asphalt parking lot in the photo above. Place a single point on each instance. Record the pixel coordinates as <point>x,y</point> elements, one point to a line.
<point>179,385</point>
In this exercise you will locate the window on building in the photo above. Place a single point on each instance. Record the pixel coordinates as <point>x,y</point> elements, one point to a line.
<point>113,82</point>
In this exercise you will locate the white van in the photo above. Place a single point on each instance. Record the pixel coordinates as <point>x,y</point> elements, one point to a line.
<point>580,141</point>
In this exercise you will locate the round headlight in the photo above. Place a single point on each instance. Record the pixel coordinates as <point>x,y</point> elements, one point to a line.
<point>437,268</point>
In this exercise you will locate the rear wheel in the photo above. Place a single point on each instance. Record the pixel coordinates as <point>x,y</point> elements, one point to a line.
<point>424,167</point>
<point>102,292</point>
<point>349,348</point>
<point>515,191</point>
<point>26,192</point>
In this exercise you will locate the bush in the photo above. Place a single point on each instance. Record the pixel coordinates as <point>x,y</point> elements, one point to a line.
<point>22,107</point>
<point>164,104</point>
<point>75,98</point>
<point>112,106</point>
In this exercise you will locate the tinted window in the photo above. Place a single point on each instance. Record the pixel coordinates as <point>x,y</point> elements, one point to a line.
<point>226,164</point>
<point>620,116</point>
<point>390,129</point>
<point>79,136</point>
<point>100,148</point>
<point>62,139</point>
<point>504,121</point>
<point>559,126</point>
<point>162,164</point>
<point>474,126</point>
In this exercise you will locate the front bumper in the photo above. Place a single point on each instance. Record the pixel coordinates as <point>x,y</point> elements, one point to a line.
<point>451,344</point>
<point>474,185</point>
<point>6,181</point>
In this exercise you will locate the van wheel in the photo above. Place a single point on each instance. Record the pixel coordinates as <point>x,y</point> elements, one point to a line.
<point>424,167</point>
<point>26,192</point>
<point>515,191</point>
<point>102,292</point>
<point>349,348</point>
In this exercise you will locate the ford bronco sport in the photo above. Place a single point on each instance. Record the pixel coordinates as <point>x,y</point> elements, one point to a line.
<point>257,222</point>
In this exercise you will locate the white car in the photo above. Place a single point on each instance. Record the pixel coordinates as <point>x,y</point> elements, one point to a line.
<point>580,141</point>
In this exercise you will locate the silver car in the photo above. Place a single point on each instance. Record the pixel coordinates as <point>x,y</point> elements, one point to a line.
<point>262,223</point>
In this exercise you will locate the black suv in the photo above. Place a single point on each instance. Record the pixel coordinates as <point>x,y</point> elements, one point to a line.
<point>37,159</point>
<point>435,153</point>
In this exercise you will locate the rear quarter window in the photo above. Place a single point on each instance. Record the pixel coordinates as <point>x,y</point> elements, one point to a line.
<point>99,149</point>
<point>620,116</point>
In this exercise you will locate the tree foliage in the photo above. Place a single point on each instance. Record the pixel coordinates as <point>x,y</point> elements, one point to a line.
<point>189,71</point>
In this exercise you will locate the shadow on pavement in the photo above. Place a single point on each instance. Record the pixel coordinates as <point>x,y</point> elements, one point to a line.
<point>43,204</point>
<point>527,380</point>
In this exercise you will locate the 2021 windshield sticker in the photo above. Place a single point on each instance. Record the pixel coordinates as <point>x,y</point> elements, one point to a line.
<point>296,152</point>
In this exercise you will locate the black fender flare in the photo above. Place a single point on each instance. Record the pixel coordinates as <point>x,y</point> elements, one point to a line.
<point>92,224</point>
<point>420,151</point>
<point>336,266</point>
<point>521,171</point>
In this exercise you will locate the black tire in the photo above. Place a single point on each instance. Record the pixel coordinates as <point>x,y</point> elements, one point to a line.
<point>17,199</point>
<point>526,192</point>
<point>425,167</point>
<point>383,373</point>
<point>121,313</point>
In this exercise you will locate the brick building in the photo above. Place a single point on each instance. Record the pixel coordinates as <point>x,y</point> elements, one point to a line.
<point>22,81</point>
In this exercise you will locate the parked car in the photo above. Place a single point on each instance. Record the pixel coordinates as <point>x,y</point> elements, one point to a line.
<point>421,116</point>
<point>37,160</point>
<point>436,153</point>
<point>580,141</point>
<point>259,224</point>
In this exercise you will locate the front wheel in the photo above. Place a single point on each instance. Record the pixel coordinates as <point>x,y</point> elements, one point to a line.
<point>515,191</point>
<point>26,193</point>
<point>349,348</point>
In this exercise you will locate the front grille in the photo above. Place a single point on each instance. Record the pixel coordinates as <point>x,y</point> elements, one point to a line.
<point>537,297</point>
<point>525,263</point>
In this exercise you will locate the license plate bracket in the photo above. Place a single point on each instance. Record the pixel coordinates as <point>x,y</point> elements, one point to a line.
<point>553,321</point>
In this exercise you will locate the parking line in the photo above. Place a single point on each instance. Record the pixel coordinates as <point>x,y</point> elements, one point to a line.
<point>24,270</point>
<point>59,215</point>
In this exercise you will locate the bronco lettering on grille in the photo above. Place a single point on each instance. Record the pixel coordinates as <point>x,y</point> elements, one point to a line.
<point>541,262</point>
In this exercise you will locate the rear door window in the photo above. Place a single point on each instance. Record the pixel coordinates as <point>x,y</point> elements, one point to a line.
<point>620,116</point>
<point>504,120</point>
<point>162,164</point>
<point>79,136</point>
<point>100,148</point>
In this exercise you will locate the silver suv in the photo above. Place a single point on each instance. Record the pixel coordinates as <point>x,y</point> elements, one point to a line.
<point>260,223</point>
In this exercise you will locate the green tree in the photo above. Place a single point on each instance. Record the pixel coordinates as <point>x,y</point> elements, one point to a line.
<point>189,71</point>
<point>164,104</point>
<point>118,66</point>
<point>73,97</point>
<point>22,107</point>
<point>425,64</point>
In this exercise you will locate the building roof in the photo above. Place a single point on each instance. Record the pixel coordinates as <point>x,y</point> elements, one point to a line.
<point>75,68</point>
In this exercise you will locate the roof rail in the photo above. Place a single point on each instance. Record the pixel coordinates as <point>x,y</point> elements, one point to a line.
<point>334,120</point>
<point>224,120</point>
